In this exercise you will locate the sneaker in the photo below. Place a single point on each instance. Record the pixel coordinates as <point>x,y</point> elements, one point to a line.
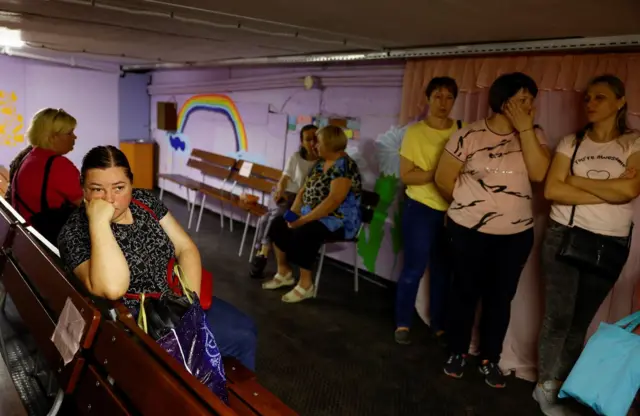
<point>546,394</point>
<point>454,367</point>
<point>492,374</point>
<point>441,339</point>
<point>257,266</point>
<point>402,336</point>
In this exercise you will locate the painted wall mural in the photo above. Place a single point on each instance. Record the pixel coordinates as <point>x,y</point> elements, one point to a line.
<point>179,141</point>
<point>11,121</point>
<point>388,186</point>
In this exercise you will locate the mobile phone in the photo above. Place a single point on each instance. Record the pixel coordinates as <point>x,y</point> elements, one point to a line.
<point>290,216</point>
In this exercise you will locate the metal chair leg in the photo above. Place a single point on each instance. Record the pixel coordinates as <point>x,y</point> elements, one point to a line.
<point>319,271</point>
<point>188,200</point>
<point>244,234</point>
<point>3,346</point>
<point>55,408</point>
<point>355,267</point>
<point>193,208</point>
<point>221,215</point>
<point>255,238</point>
<point>161,191</point>
<point>204,197</point>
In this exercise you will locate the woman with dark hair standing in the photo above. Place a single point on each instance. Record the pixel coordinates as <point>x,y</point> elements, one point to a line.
<point>592,182</point>
<point>423,233</point>
<point>293,177</point>
<point>487,169</point>
<point>122,240</point>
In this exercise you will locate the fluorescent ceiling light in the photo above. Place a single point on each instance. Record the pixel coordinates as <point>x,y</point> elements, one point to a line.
<point>10,38</point>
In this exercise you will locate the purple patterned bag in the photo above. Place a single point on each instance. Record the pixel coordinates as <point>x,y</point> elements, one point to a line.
<point>192,344</point>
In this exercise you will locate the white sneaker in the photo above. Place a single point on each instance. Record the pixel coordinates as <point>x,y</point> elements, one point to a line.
<point>547,397</point>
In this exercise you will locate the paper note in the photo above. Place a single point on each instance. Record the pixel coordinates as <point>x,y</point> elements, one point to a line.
<point>348,133</point>
<point>68,333</point>
<point>304,120</point>
<point>245,169</point>
<point>353,124</point>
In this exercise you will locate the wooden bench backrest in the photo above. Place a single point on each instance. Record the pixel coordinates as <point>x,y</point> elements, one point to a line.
<point>266,172</point>
<point>4,180</point>
<point>95,396</point>
<point>208,169</point>
<point>214,158</point>
<point>51,283</point>
<point>36,317</point>
<point>40,290</point>
<point>153,382</point>
<point>255,182</point>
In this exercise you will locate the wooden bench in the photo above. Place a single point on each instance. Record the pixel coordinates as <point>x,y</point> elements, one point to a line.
<point>209,165</point>
<point>4,180</point>
<point>119,370</point>
<point>262,179</point>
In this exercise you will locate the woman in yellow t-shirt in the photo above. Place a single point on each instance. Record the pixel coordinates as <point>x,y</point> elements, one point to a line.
<point>424,209</point>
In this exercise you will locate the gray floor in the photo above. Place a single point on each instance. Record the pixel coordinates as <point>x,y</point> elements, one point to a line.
<point>335,355</point>
<point>329,356</point>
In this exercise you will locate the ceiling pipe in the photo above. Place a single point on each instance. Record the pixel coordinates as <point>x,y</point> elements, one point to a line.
<point>542,46</point>
<point>70,62</point>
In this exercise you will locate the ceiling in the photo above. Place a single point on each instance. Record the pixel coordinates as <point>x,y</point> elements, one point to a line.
<point>206,32</point>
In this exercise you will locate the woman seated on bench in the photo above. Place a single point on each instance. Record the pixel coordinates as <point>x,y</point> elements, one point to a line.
<point>328,209</point>
<point>115,246</point>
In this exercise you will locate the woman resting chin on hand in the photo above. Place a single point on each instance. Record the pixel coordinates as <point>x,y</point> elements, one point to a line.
<point>123,239</point>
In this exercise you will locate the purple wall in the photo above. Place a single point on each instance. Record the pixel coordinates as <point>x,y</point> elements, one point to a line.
<point>265,97</point>
<point>90,96</point>
<point>133,106</point>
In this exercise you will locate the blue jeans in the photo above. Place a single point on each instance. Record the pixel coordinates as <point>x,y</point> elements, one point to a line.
<point>425,244</point>
<point>235,332</point>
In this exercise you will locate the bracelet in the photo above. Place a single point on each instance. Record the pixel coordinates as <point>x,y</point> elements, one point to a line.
<point>523,131</point>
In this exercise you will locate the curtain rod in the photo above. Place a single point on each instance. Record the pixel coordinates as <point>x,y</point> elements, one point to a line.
<point>544,46</point>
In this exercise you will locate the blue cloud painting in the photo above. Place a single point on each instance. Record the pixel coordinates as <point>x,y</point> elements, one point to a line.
<point>179,143</point>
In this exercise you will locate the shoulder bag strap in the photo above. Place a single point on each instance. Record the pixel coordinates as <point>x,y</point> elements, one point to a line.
<point>14,186</point>
<point>44,204</point>
<point>579,138</point>
<point>459,123</point>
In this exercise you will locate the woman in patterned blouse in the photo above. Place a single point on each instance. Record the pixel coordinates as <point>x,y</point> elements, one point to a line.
<point>115,245</point>
<point>328,209</point>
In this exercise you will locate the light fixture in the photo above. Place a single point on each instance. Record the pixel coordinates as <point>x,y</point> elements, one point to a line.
<point>10,38</point>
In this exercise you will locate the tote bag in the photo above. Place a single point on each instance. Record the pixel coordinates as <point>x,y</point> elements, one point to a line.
<point>607,375</point>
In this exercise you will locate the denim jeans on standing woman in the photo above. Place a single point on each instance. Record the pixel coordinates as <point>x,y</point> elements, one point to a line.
<point>425,244</point>
<point>572,298</point>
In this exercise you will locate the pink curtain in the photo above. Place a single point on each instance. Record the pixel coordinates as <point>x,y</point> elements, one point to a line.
<point>551,72</point>
<point>559,112</point>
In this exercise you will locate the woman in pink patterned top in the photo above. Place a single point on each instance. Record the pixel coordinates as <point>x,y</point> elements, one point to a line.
<point>486,170</point>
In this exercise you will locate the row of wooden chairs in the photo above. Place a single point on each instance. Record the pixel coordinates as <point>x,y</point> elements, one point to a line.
<point>118,369</point>
<point>229,175</point>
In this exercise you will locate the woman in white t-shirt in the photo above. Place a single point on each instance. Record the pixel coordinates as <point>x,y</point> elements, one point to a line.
<point>293,178</point>
<point>592,183</point>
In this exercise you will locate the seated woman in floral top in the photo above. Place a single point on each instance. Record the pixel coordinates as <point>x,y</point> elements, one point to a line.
<point>329,210</point>
<point>122,240</point>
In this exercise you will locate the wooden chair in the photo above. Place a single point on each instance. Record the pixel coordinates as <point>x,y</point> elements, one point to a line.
<point>368,203</point>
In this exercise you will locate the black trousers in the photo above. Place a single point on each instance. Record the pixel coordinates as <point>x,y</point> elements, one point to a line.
<point>486,267</point>
<point>302,244</point>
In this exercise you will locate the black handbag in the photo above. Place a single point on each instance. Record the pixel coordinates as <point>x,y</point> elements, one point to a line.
<point>159,313</point>
<point>48,221</point>
<point>163,314</point>
<point>599,254</point>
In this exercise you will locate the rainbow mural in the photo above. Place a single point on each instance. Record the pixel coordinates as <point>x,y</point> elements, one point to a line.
<point>209,102</point>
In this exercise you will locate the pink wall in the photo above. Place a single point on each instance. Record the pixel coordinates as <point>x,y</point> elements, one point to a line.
<point>265,97</point>
<point>90,96</point>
